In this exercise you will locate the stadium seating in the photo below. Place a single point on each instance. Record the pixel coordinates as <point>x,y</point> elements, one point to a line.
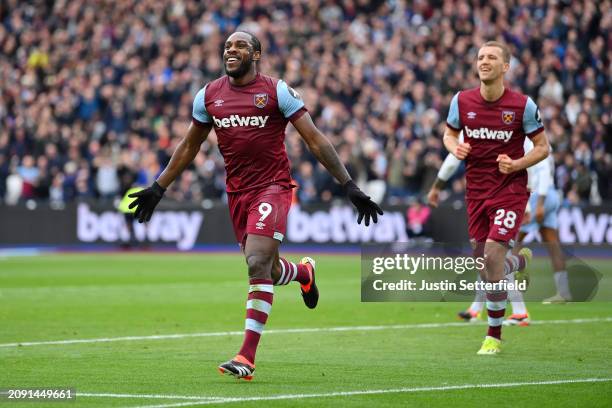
<point>105,92</point>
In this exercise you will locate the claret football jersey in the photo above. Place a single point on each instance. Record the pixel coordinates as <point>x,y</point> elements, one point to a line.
<point>491,129</point>
<point>250,124</point>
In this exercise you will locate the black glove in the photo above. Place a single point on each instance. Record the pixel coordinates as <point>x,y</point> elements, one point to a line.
<point>145,201</point>
<point>366,207</point>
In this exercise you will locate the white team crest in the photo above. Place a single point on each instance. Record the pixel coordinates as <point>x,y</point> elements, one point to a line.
<point>219,102</point>
<point>471,115</point>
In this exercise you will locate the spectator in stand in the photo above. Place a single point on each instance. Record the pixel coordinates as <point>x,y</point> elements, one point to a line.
<point>417,216</point>
<point>304,179</point>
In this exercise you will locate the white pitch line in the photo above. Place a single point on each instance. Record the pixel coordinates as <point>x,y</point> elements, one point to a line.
<point>288,331</point>
<point>147,396</point>
<point>374,392</point>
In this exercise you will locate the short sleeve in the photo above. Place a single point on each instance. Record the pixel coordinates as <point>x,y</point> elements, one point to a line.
<point>541,177</point>
<point>452,120</point>
<point>532,121</point>
<point>200,116</point>
<point>289,101</point>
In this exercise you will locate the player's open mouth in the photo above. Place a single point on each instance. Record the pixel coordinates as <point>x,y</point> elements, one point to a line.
<point>232,61</point>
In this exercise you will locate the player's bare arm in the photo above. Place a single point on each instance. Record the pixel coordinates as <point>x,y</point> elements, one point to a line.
<point>321,147</point>
<point>185,153</point>
<point>539,152</point>
<point>453,145</point>
<point>433,196</point>
<point>148,198</point>
<point>539,210</point>
<point>325,153</point>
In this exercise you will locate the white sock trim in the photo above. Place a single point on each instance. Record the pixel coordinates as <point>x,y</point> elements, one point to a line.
<point>495,306</point>
<point>511,264</point>
<point>295,271</point>
<point>259,305</point>
<point>253,325</point>
<point>283,273</point>
<point>261,288</point>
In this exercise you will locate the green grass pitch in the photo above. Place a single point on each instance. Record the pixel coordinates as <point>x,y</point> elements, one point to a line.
<point>97,296</point>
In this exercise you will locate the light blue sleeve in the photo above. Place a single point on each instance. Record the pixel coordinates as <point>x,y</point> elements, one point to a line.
<point>449,167</point>
<point>199,109</point>
<point>453,113</point>
<point>289,101</point>
<point>531,118</point>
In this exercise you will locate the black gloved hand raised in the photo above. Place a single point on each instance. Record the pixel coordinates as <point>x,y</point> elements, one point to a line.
<point>366,207</point>
<point>145,201</point>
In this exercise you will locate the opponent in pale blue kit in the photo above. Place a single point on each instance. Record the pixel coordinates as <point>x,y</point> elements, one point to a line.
<point>544,207</point>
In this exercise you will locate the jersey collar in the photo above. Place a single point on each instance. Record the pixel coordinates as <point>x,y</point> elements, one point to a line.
<point>242,86</point>
<point>495,101</point>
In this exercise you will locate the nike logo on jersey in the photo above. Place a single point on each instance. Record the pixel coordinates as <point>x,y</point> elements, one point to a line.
<point>485,133</point>
<point>235,121</point>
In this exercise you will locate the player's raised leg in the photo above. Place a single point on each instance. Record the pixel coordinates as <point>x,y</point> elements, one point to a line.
<point>260,252</point>
<point>285,272</point>
<point>517,263</point>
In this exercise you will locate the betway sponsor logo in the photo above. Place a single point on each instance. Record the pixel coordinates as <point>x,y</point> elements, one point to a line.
<point>339,224</point>
<point>237,120</point>
<point>181,227</point>
<point>577,226</point>
<point>486,133</point>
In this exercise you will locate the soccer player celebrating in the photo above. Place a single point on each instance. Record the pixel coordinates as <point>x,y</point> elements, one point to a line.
<point>495,122</point>
<point>249,112</point>
<point>539,180</point>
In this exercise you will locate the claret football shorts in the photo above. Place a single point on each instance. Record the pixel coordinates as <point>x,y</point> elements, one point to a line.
<point>498,217</point>
<point>261,211</point>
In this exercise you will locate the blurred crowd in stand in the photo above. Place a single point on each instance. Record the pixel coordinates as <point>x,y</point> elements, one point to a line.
<point>96,94</point>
